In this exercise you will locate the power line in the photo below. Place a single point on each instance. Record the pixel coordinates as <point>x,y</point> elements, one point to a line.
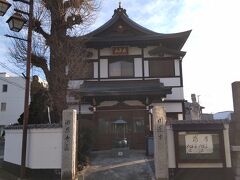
<point>7,68</point>
<point>13,83</point>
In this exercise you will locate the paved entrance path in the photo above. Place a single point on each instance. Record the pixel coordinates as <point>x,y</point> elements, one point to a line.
<point>106,167</point>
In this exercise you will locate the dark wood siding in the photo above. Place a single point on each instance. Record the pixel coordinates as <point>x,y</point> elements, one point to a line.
<point>161,68</point>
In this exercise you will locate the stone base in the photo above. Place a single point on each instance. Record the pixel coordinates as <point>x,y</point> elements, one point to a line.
<point>120,152</point>
<point>203,174</point>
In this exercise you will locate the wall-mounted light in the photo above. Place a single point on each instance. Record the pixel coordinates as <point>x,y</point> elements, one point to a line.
<point>4,6</point>
<point>16,22</point>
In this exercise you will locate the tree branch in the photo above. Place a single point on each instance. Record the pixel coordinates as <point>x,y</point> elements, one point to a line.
<point>40,62</point>
<point>39,29</point>
<point>72,3</point>
<point>73,20</point>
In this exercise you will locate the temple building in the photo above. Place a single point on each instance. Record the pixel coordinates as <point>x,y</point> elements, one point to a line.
<point>133,69</point>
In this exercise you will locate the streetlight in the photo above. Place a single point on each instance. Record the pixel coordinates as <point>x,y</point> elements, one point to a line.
<point>16,23</point>
<point>4,6</point>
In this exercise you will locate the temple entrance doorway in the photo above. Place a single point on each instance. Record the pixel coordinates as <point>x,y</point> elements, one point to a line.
<point>120,128</point>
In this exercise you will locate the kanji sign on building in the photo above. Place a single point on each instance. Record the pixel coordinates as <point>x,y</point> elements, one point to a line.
<point>120,50</point>
<point>199,144</point>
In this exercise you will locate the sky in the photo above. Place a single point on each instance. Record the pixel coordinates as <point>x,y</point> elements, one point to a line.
<point>212,61</point>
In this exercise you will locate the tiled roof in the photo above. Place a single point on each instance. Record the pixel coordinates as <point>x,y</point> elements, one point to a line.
<point>35,126</point>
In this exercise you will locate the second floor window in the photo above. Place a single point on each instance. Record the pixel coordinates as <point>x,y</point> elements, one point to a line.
<point>121,68</point>
<point>4,87</point>
<point>3,106</point>
<point>161,68</point>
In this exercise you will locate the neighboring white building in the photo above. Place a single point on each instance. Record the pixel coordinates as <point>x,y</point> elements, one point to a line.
<point>12,91</point>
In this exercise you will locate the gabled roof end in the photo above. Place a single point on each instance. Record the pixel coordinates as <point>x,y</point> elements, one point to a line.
<point>120,11</point>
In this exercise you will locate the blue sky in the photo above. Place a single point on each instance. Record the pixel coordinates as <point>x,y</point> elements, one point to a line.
<point>211,63</point>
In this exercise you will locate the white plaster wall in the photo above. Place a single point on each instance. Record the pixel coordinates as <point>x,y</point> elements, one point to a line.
<point>71,99</point>
<point>134,51</point>
<point>85,109</point>
<point>138,67</point>
<point>147,49</point>
<point>106,52</point>
<point>95,69</point>
<point>108,103</point>
<point>170,107</point>
<point>95,53</point>
<point>44,148</point>
<point>174,81</point>
<point>146,69</point>
<point>14,99</point>
<point>180,116</point>
<point>74,107</point>
<point>103,68</point>
<point>120,79</point>
<point>74,84</point>
<point>134,103</point>
<point>177,67</point>
<point>177,94</point>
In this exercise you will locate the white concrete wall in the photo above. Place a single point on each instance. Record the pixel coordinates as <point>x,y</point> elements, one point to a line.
<point>14,99</point>
<point>44,148</point>
<point>138,67</point>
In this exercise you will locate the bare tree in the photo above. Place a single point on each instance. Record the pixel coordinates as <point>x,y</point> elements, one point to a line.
<point>55,46</point>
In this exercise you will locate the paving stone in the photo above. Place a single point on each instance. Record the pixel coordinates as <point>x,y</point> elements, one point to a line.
<point>106,167</point>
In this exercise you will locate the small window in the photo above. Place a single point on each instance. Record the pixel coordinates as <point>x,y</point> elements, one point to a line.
<point>161,68</point>
<point>121,68</point>
<point>4,88</point>
<point>3,106</point>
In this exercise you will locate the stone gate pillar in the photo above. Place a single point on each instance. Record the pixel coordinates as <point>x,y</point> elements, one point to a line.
<point>235,130</point>
<point>160,143</point>
<point>69,146</point>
